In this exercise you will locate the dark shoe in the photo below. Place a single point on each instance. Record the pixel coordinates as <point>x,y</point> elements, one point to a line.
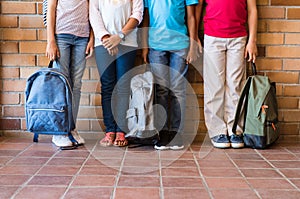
<point>175,140</point>
<point>162,143</point>
<point>236,141</point>
<point>220,141</point>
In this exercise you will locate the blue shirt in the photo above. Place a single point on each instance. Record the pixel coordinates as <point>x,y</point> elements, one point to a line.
<point>168,30</point>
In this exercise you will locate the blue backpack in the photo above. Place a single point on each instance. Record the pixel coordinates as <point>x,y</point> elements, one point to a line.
<point>48,103</point>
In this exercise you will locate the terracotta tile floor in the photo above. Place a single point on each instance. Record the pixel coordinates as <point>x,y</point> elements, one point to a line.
<point>39,170</point>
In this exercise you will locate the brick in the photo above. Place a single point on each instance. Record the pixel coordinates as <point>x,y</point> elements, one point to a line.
<point>291,116</point>
<point>83,125</point>
<point>291,64</point>
<point>95,99</point>
<point>9,47</point>
<point>25,72</point>
<point>283,26</point>
<point>97,125</point>
<point>17,7</point>
<point>285,2</point>
<point>289,128</point>
<point>283,51</point>
<point>287,103</point>
<point>262,26</point>
<point>89,112</point>
<point>85,100</point>
<point>9,98</point>
<point>279,89</point>
<point>292,90</point>
<point>292,38</point>
<point>13,111</point>
<point>33,47</point>
<point>270,12</point>
<point>94,75</point>
<point>14,85</point>
<point>18,34</point>
<point>270,38</point>
<point>42,60</point>
<point>268,64</point>
<point>42,34</point>
<point>8,21</point>
<point>90,86</point>
<point>262,2</point>
<point>284,77</point>
<point>198,88</point>
<point>31,22</point>
<point>293,13</point>
<point>86,74</point>
<point>10,124</point>
<point>91,62</point>
<point>18,60</point>
<point>40,8</point>
<point>8,73</point>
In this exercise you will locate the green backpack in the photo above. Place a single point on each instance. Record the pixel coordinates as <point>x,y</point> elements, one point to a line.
<point>259,105</point>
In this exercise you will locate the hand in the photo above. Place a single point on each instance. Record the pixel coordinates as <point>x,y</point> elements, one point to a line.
<point>111,42</point>
<point>251,52</point>
<point>52,51</point>
<point>113,51</point>
<point>193,53</point>
<point>199,46</point>
<point>145,55</point>
<point>89,49</point>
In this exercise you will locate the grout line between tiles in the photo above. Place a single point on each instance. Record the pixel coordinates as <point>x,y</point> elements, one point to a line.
<point>33,175</point>
<point>278,170</point>
<point>79,170</point>
<point>201,174</point>
<point>117,178</point>
<point>244,177</point>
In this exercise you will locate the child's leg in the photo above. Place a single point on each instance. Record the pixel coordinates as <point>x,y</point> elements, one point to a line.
<point>107,73</point>
<point>235,78</point>
<point>120,99</point>
<point>214,85</point>
<point>178,82</point>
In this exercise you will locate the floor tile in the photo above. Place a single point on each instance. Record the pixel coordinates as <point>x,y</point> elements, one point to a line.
<point>40,170</point>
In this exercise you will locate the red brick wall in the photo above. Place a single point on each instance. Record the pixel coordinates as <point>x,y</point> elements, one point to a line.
<point>22,48</point>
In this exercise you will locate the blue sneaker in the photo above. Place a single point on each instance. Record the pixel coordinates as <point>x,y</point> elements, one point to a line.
<point>236,141</point>
<point>220,141</point>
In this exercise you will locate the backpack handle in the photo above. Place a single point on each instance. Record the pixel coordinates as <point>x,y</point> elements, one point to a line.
<point>253,66</point>
<point>50,65</point>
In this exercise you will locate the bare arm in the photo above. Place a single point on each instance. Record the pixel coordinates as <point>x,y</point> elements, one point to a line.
<point>52,51</point>
<point>191,23</point>
<point>198,14</point>
<point>251,48</point>
<point>145,29</point>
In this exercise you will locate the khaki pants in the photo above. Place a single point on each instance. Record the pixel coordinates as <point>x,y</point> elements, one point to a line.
<point>224,73</point>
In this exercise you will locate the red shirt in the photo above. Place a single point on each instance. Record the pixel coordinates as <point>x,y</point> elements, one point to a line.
<point>225,18</point>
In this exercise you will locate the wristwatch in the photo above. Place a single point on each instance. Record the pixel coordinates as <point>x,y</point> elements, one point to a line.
<point>121,35</point>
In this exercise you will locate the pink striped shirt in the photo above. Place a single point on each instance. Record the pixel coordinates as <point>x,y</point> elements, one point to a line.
<point>72,17</point>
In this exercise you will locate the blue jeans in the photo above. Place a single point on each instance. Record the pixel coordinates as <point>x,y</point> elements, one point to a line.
<point>72,62</point>
<point>115,85</point>
<point>170,69</point>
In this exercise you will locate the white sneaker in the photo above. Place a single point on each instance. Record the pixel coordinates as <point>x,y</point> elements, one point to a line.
<point>77,137</point>
<point>61,140</point>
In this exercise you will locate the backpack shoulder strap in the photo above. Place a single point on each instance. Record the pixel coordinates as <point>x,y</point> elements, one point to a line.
<point>243,97</point>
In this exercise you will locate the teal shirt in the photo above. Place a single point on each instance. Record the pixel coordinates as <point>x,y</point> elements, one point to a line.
<point>168,30</point>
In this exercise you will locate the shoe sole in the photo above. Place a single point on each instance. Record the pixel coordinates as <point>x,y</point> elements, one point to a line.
<point>237,145</point>
<point>161,147</point>
<point>176,147</point>
<point>221,145</point>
